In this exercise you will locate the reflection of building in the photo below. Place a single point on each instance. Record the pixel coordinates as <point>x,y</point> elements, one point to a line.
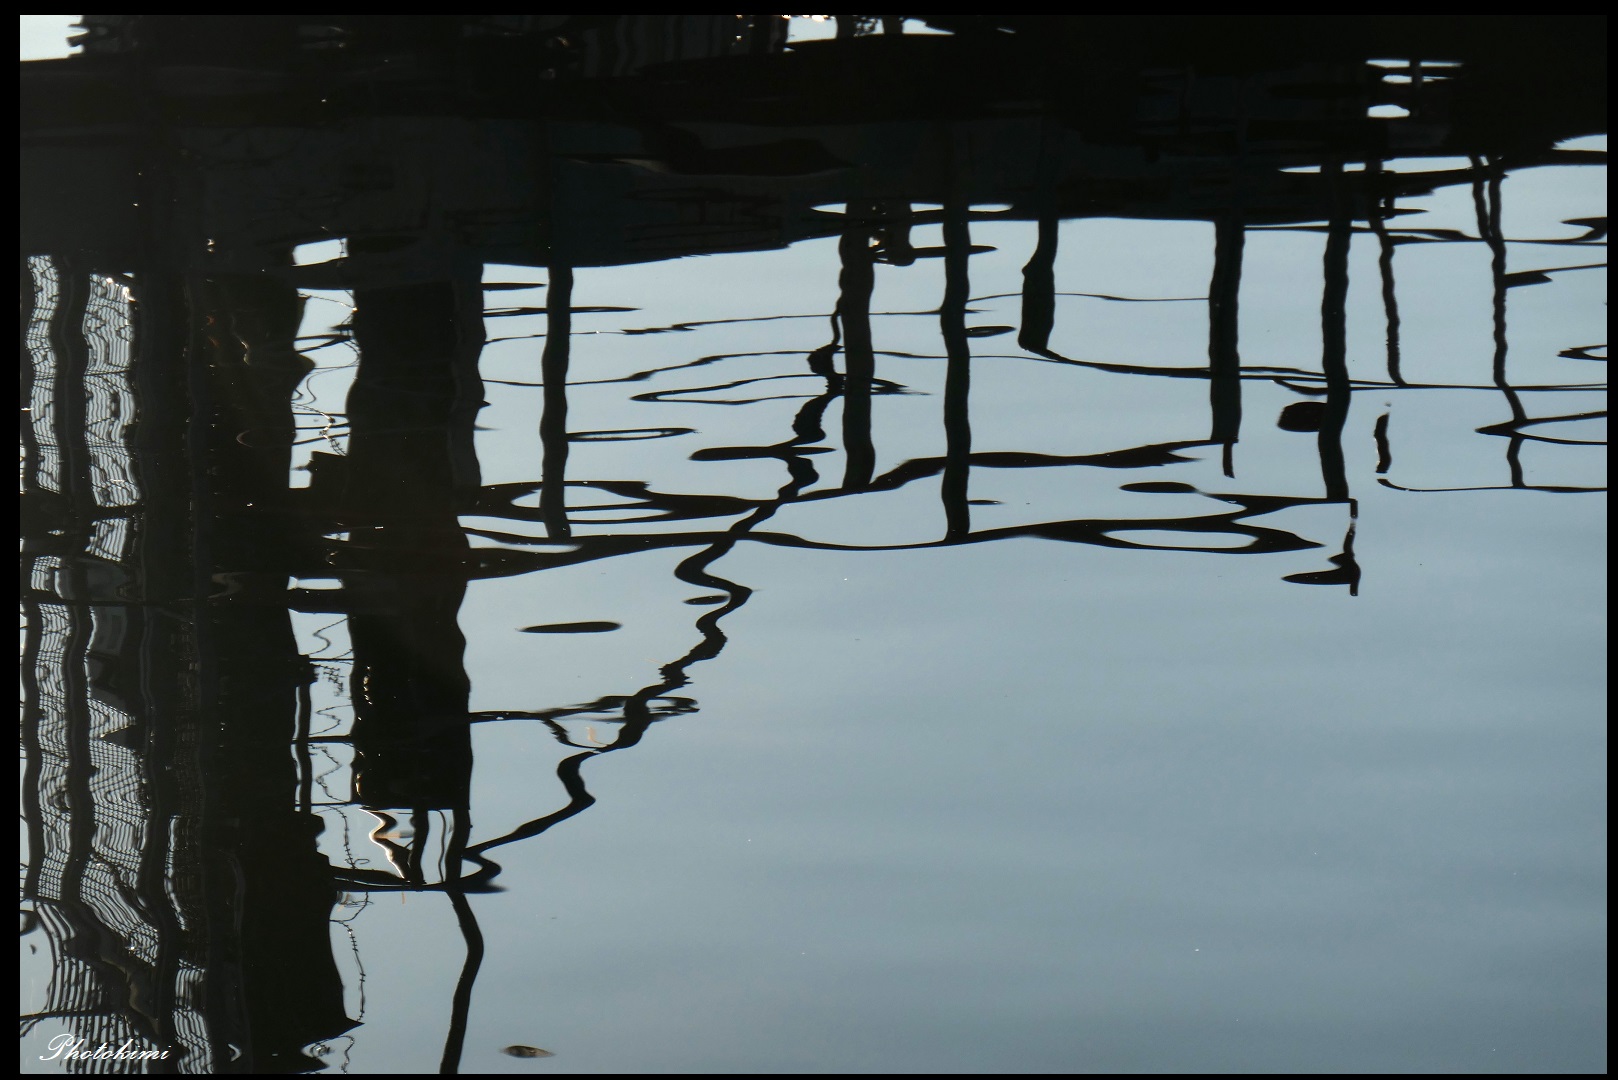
<point>171,876</point>
<point>590,47</point>
<point>171,172</point>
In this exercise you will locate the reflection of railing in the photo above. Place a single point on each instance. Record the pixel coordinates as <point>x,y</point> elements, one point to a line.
<point>110,883</point>
<point>173,869</point>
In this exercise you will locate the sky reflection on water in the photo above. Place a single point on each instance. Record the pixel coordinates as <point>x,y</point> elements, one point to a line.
<point>1143,613</point>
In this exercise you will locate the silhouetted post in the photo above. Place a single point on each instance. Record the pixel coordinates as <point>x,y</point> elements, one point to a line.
<point>958,375</point>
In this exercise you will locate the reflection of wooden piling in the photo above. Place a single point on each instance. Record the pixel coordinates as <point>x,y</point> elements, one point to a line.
<point>414,402</point>
<point>958,376</point>
<point>271,974</point>
<point>553,420</point>
<point>1224,359</point>
<point>1039,276</point>
<point>857,281</point>
<point>461,1002</point>
<point>1039,288</point>
<point>1486,199</point>
<point>1380,209</point>
<point>1334,338</point>
<point>411,409</point>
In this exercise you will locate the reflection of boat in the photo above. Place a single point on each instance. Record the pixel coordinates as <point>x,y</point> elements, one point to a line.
<point>165,682</point>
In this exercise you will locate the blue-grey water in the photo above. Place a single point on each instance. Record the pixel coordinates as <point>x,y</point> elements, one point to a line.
<point>1189,660</point>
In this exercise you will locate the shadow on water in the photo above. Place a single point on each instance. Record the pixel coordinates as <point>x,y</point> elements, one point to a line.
<point>170,172</point>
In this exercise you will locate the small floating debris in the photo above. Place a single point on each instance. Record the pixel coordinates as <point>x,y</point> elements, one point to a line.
<point>987,331</point>
<point>628,434</point>
<point>1161,486</point>
<point>527,1052</point>
<point>572,628</point>
<point>716,599</point>
<point>1303,416</point>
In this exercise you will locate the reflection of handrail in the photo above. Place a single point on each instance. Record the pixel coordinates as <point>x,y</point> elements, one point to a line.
<point>1513,429</point>
<point>1385,482</point>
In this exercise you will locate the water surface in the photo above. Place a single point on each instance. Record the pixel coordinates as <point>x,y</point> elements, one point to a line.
<point>685,544</point>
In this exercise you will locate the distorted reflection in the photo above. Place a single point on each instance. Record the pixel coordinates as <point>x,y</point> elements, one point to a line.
<point>348,337</point>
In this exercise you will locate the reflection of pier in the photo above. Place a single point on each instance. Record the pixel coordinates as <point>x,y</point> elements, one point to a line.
<point>171,172</point>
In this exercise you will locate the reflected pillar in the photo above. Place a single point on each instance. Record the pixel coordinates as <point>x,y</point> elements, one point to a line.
<point>1334,337</point>
<point>1334,362</point>
<point>958,375</point>
<point>411,464</point>
<point>1224,359</point>
<point>857,281</point>
<point>1486,199</point>
<point>553,421</point>
<point>271,979</point>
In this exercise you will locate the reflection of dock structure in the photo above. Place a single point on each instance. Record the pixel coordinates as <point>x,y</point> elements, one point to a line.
<point>171,173</point>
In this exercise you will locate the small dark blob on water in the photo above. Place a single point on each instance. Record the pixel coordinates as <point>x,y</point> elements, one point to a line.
<point>988,331</point>
<point>707,599</point>
<point>1161,486</point>
<point>1302,416</point>
<point>572,628</point>
<point>527,1052</point>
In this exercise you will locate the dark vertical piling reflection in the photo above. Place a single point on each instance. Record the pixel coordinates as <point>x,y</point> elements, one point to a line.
<point>958,375</point>
<point>461,1003</point>
<point>1486,178</point>
<point>1224,359</point>
<point>1380,208</point>
<point>1334,361</point>
<point>1039,288</point>
<point>1038,319</point>
<point>1384,450</point>
<point>553,420</point>
<point>856,282</point>
<point>267,880</point>
<point>411,408</point>
<point>1334,336</point>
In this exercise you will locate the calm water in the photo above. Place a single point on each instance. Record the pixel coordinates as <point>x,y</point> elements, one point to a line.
<point>764,551</point>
